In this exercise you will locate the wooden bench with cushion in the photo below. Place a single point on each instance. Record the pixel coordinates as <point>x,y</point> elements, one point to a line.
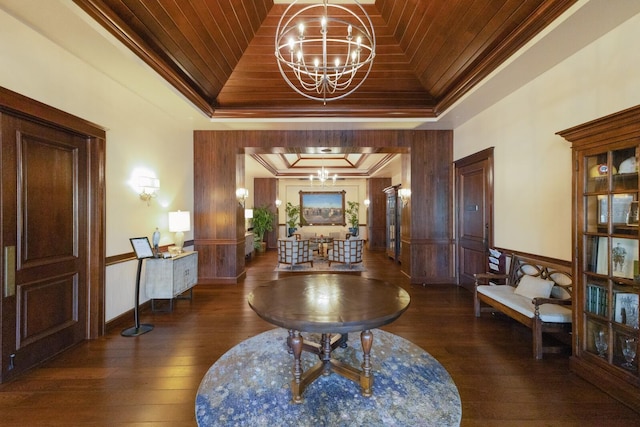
<point>536,292</point>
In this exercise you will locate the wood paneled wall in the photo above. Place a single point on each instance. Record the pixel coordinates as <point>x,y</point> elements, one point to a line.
<point>429,213</point>
<point>427,240</point>
<point>377,213</point>
<point>218,170</point>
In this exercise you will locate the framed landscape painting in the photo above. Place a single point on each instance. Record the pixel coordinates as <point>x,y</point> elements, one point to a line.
<point>322,208</point>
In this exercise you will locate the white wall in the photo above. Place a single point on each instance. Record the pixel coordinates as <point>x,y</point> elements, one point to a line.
<point>139,135</point>
<point>532,177</point>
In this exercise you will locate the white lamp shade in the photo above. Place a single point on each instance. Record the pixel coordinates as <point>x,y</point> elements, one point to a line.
<point>179,221</point>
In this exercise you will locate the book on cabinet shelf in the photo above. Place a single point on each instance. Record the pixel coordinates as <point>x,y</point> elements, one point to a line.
<point>597,299</point>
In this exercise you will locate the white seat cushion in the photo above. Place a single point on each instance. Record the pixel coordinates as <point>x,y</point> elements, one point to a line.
<point>504,294</point>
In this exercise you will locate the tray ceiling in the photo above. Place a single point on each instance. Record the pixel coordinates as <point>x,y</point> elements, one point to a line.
<point>219,54</point>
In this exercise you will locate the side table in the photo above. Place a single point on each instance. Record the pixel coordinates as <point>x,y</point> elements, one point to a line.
<point>168,278</point>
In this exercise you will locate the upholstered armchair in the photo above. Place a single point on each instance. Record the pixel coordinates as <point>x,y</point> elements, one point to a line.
<point>346,251</point>
<point>292,251</point>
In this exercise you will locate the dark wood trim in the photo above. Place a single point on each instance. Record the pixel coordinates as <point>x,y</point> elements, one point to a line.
<point>613,128</point>
<point>22,106</point>
<point>475,157</point>
<point>540,257</point>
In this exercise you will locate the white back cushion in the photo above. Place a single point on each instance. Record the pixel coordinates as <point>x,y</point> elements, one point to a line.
<point>532,287</point>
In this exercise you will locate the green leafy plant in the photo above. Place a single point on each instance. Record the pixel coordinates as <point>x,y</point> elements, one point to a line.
<point>353,217</point>
<point>293,214</point>
<point>263,219</point>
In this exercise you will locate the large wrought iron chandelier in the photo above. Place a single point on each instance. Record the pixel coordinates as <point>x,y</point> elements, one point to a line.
<point>325,51</point>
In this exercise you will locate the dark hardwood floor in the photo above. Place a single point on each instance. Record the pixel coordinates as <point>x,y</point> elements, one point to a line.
<point>152,380</point>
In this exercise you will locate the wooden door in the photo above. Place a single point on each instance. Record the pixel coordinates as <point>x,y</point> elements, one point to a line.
<point>44,242</point>
<point>474,212</point>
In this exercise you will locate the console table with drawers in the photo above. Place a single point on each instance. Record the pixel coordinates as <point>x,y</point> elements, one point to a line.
<point>169,278</point>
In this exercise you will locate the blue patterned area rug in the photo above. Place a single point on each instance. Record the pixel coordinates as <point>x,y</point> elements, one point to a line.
<point>249,386</point>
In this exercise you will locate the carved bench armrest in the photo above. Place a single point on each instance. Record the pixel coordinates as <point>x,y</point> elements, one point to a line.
<point>485,277</point>
<point>537,302</point>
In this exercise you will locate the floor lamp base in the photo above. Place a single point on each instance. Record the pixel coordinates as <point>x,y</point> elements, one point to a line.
<point>135,331</point>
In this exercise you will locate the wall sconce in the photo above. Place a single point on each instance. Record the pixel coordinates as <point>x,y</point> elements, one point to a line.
<point>179,222</point>
<point>148,188</point>
<point>278,203</point>
<point>404,194</point>
<point>367,202</point>
<point>242,194</point>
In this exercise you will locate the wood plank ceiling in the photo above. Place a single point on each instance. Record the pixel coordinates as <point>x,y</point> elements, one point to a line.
<point>219,53</point>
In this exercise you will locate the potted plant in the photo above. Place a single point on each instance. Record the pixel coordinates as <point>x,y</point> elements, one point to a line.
<point>293,213</point>
<point>353,217</point>
<point>262,222</point>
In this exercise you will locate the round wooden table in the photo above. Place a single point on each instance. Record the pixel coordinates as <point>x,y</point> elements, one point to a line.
<point>322,241</point>
<point>332,305</point>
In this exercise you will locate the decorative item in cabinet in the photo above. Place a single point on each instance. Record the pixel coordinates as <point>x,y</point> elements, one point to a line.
<point>625,308</point>
<point>598,338</point>
<point>629,348</point>
<point>624,257</point>
<point>169,278</point>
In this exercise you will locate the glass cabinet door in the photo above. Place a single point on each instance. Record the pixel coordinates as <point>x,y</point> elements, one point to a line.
<point>610,267</point>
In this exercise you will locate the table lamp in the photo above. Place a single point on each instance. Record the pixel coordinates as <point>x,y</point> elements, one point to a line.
<point>179,222</point>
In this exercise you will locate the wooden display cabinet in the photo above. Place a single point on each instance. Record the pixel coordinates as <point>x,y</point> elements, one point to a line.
<point>394,212</point>
<point>605,239</point>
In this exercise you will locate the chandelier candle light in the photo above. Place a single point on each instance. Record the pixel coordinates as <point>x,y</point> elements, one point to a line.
<point>321,57</point>
<point>323,176</point>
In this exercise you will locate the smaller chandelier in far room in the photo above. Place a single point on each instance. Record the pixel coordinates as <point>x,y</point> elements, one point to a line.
<point>323,177</point>
<point>325,51</point>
